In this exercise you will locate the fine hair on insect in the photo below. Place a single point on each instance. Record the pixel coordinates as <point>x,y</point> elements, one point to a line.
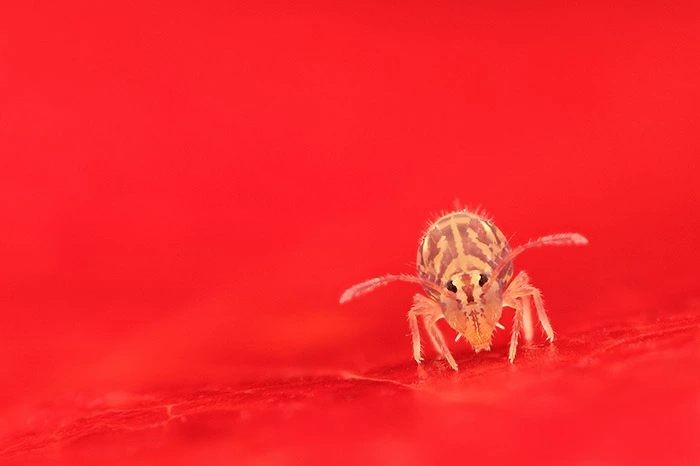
<point>465,266</point>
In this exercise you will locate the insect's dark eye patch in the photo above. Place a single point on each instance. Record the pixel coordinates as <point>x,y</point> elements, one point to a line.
<point>451,286</point>
<point>483,278</point>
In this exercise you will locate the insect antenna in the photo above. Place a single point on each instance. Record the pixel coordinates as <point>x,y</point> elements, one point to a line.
<point>559,239</point>
<point>371,285</point>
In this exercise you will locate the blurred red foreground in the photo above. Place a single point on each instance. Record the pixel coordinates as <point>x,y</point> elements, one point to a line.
<point>187,190</point>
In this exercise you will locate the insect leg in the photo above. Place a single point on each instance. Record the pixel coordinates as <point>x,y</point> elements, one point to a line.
<point>439,340</point>
<point>541,313</point>
<point>527,318</point>
<point>517,325</point>
<point>520,288</point>
<point>424,306</point>
<point>428,324</point>
<point>415,335</point>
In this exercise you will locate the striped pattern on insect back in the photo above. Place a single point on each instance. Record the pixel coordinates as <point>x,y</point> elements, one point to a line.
<point>462,242</point>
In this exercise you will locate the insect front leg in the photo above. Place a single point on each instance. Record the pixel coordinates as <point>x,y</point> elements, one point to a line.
<point>438,339</point>
<point>521,290</point>
<point>431,312</point>
<point>517,325</point>
<point>528,330</point>
<point>413,325</point>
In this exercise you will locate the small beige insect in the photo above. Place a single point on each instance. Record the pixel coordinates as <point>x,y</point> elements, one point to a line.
<point>465,265</point>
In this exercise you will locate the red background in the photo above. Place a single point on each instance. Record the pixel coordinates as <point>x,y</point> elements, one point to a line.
<point>186,189</point>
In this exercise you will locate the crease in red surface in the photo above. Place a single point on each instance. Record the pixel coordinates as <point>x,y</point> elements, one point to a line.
<point>612,373</point>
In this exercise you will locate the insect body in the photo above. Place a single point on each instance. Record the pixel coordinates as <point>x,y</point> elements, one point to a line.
<point>465,266</point>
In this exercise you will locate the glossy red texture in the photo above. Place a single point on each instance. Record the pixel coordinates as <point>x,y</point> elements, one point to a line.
<point>188,188</point>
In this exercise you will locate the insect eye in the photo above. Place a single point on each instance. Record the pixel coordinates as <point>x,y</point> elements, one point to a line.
<point>483,278</point>
<point>451,286</point>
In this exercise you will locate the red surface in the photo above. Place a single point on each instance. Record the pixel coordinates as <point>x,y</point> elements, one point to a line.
<point>187,189</point>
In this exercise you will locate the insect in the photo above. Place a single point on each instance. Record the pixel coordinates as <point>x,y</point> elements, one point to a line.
<point>465,266</point>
